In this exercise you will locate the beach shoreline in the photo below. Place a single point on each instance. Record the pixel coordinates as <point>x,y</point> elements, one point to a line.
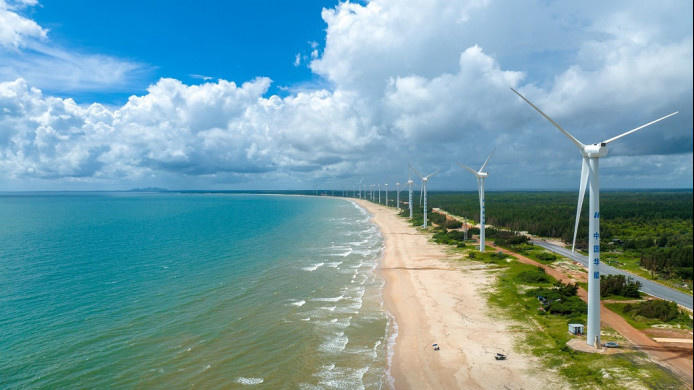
<point>437,300</point>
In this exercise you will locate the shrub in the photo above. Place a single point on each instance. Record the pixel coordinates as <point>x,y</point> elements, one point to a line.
<point>453,224</point>
<point>533,276</point>
<point>568,306</point>
<point>619,285</point>
<point>659,309</point>
<point>561,299</point>
<point>548,257</point>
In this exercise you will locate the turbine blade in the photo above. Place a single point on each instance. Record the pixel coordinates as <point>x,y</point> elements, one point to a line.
<point>421,191</point>
<point>566,133</point>
<point>433,173</point>
<point>639,128</point>
<point>415,171</point>
<point>469,169</point>
<point>581,194</point>
<point>487,160</point>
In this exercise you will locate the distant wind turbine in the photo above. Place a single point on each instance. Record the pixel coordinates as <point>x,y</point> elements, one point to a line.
<point>410,183</point>
<point>481,175</point>
<point>590,170</point>
<point>386,194</point>
<point>397,198</point>
<point>425,180</point>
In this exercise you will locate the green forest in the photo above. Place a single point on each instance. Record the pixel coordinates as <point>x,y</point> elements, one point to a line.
<point>653,227</point>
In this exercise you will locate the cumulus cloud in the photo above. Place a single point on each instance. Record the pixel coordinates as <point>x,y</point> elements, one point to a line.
<point>15,30</point>
<point>420,81</point>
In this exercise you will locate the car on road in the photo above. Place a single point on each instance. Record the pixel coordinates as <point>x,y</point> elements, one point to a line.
<point>611,344</point>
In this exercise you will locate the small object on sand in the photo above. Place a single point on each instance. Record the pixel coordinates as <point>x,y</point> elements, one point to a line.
<point>500,356</point>
<point>436,347</point>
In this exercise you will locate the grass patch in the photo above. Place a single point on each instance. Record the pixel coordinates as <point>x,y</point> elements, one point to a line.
<point>549,334</point>
<point>646,314</point>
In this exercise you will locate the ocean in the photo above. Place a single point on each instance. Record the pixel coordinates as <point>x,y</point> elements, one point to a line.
<point>207,291</point>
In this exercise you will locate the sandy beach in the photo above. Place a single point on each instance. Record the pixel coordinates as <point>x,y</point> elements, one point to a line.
<point>436,300</point>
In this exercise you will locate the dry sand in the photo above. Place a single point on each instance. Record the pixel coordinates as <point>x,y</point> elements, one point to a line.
<point>435,299</point>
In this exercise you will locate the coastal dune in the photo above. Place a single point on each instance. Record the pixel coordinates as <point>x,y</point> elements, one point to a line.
<point>436,300</point>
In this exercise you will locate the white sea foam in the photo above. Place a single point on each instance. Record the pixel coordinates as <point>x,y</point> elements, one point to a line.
<point>334,264</point>
<point>335,343</point>
<point>313,267</point>
<point>345,253</point>
<point>392,331</point>
<point>342,378</point>
<point>249,381</point>
<point>297,303</point>
<point>333,299</point>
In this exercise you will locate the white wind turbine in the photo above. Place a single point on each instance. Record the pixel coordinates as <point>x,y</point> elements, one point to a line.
<point>425,180</point>
<point>481,175</point>
<point>589,170</point>
<point>397,198</point>
<point>410,183</point>
<point>386,194</point>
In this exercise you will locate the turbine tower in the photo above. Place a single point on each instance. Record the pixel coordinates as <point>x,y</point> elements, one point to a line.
<point>589,170</point>
<point>425,179</point>
<point>409,183</point>
<point>481,175</point>
<point>397,198</point>
<point>386,194</point>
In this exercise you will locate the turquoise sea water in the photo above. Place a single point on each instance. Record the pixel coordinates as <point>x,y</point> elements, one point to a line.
<point>120,290</point>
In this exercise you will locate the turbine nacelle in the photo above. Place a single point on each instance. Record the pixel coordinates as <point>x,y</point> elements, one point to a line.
<point>595,150</point>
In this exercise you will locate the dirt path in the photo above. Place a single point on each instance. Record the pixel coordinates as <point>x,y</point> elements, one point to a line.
<point>676,358</point>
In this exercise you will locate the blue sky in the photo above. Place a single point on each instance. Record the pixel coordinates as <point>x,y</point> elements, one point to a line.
<point>189,41</point>
<point>285,95</point>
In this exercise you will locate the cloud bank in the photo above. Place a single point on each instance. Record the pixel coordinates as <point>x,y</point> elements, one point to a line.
<point>425,82</point>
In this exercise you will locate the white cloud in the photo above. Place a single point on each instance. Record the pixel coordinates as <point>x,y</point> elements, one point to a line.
<point>425,82</point>
<point>15,30</point>
<point>27,52</point>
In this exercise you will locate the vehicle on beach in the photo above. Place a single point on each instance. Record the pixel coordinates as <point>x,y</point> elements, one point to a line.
<point>500,356</point>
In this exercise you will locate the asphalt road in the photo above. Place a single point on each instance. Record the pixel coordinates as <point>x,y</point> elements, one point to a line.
<point>647,286</point>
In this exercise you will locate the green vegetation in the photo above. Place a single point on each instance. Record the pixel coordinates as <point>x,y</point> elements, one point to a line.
<point>654,312</point>
<point>647,232</point>
<point>619,285</point>
<point>546,334</point>
<point>533,276</point>
<point>561,299</point>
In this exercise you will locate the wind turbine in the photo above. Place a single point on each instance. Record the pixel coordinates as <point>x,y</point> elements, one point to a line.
<point>362,179</point>
<point>589,170</point>
<point>409,183</point>
<point>481,175</point>
<point>425,179</point>
<point>386,194</point>
<point>397,199</point>
<point>379,193</point>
